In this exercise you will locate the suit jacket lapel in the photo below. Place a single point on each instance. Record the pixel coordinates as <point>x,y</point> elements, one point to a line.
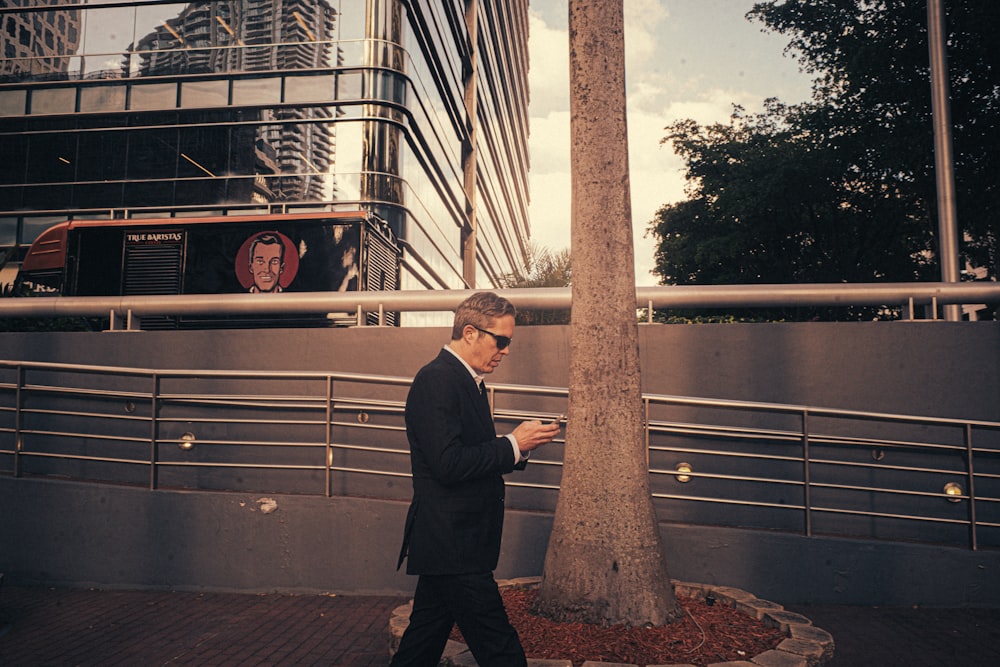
<point>475,397</point>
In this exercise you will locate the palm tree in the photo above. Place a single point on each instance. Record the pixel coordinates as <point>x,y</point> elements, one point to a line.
<point>604,562</point>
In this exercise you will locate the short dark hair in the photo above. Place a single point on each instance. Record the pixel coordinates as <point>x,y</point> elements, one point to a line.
<point>480,310</point>
<point>268,238</point>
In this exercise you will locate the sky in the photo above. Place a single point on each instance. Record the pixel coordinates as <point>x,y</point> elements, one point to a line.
<point>683,59</point>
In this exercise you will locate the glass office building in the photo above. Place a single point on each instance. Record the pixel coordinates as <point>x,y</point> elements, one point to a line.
<point>414,111</point>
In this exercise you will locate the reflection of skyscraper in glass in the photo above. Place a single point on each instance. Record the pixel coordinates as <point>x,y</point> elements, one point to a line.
<point>259,35</point>
<point>36,44</point>
<point>414,112</point>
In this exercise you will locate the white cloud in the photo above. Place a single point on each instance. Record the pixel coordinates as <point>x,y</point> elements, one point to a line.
<point>642,18</point>
<point>548,76</point>
<point>550,209</point>
<point>550,142</point>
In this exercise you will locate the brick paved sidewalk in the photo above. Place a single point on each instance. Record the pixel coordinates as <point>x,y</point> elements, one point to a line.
<point>42,626</point>
<point>908,636</point>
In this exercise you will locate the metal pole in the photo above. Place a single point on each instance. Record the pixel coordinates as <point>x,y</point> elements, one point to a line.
<point>154,434</point>
<point>806,479</point>
<point>944,163</point>
<point>970,463</point>
<point>19,419</point>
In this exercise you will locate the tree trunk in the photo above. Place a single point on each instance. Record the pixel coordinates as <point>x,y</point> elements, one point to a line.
<point>604,562</point>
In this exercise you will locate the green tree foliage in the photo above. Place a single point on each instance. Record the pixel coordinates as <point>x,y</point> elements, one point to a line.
<point>842,188</point>
<point>543,268</point>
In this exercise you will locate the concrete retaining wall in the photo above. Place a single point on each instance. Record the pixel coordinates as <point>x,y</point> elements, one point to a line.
<point>60,532</point>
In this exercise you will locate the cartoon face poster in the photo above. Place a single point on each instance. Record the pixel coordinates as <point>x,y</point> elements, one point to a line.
<point>267,262</point>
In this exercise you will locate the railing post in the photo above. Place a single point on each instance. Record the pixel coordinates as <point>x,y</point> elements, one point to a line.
<point>645,427</point>
<point>328,456</point>
<point>973,540</point>
<point>806,489</point>
<point>18,409</point>
<point>154,433</point>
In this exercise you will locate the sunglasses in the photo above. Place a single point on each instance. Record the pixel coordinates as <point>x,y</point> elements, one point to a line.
<point>503,342</point>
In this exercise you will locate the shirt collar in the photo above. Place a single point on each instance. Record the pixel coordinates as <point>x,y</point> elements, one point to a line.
<point>475,376</point>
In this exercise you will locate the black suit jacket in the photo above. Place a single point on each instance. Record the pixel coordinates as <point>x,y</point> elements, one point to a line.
<point>455,520</point>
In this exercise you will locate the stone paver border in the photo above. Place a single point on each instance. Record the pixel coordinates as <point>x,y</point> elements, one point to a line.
<point>806,645</point>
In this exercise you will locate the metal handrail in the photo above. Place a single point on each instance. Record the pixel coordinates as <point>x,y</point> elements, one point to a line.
<point>128,309</point>
<point>729,451</point>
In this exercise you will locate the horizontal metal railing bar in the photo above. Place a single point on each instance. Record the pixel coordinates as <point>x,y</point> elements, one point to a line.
<point>90,415</point>
<point>200,374</point>
<point>307,402</point>
<point>828,510</point>
<point>883,443</point>
<point>376,427</point>
<point>373,427</point>
<point>219,420</point>
<point>241,466</point>
<point>890,468</point>
<point>890,515</point>
<point>543,487</point>
<point>687,428</point>
<point>729,501</point>
<point>747,433</point>
<point>534,461</point>
<point>240,443</point>
<point>936,471</point>
<point>88,436</point>
<point>674,296</point>
<point>368,448</point>
<point>742,432</point>
<point>885,490</point>
<point>813,411</point>
<point>278,443</point>
<point>732,478</point>
<point>369,472</point>
<point>88,458</point>
<point>85,391</point>
<point>724,453</point>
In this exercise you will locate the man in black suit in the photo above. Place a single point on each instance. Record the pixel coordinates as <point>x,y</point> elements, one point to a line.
<point>452,533</point>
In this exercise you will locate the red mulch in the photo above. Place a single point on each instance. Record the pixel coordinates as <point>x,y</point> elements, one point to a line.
<point>706,634</point>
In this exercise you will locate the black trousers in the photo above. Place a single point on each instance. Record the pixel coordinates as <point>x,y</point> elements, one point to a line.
<point>473,602</point>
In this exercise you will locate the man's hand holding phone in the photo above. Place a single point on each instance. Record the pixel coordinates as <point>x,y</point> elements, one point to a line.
<point>533,434</point>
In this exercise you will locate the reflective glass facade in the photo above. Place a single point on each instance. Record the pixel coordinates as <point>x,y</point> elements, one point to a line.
<point>117,109</point>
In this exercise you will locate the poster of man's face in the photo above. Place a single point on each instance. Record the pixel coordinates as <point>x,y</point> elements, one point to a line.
<point>265,268</point>
<point>267,261</point>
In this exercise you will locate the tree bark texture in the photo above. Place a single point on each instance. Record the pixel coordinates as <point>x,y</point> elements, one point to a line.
<point>604,562</point>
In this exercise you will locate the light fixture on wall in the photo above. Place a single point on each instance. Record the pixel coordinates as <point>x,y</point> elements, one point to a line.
<point>683,468</point>
<point>954,492</point>
<point>187,441</point>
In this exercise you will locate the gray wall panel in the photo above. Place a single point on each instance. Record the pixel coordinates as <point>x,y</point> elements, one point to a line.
<point>88,534</point>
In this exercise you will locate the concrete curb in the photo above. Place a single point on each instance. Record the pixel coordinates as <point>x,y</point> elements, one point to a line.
<point>806,646</point>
